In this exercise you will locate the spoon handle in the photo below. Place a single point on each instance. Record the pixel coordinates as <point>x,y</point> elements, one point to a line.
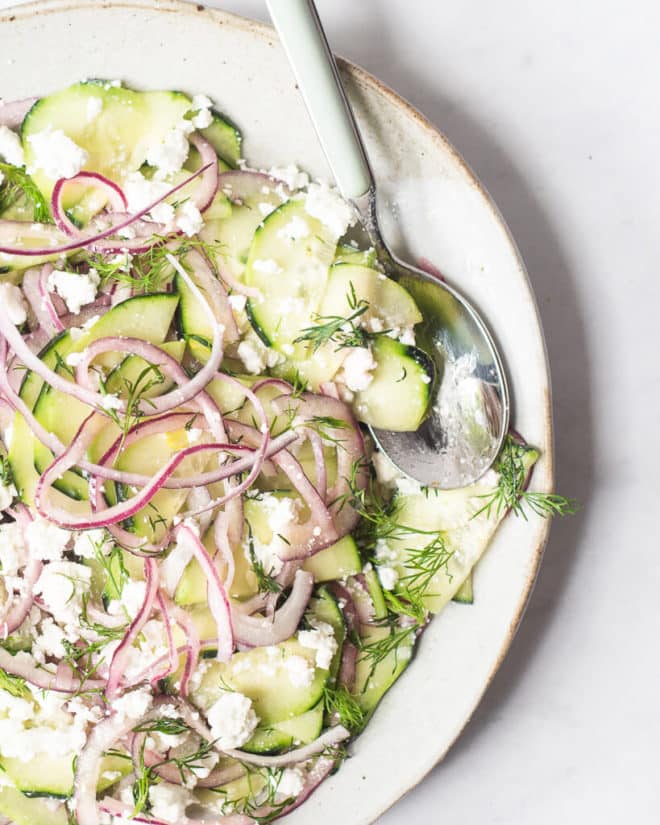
<point>314,67</point>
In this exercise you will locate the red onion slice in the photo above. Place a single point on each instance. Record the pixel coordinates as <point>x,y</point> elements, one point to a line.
<point>120,657</point>
<point>216,595</point>
<point>256,632</point>
<point>12,112</point>
<point>116,199</point>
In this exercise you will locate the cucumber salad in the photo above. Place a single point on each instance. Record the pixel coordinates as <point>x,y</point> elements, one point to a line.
<point>208,576</point>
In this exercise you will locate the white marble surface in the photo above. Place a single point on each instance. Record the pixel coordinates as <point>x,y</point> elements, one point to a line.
<point>555,105</point>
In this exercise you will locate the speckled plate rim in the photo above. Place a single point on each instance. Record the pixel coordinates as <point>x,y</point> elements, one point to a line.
<point>368,81</point>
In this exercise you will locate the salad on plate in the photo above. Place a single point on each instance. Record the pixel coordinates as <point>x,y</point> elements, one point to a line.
<point>209,577</point>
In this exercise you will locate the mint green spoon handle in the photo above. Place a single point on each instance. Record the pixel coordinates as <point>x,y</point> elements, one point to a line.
<point>314,67</point>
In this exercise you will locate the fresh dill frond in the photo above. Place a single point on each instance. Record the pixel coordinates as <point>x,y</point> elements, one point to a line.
<point>13,684</point>
<point>339,702</point>
<point>378,650</point>
<point>6,474</point>
<point>169,727</point>
<point>145,777</point>
<point>510,493</point>
<point>16,183</point>
<point>135,394</point>
<point>265,582</point>
<point>343,331</point>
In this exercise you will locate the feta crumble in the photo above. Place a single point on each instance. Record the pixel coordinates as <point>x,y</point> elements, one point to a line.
<point>170,154</point>
<point>94,107</point>
<point>295,230</point>
<point>89,542</point>
<point>290,785</point>
<point>321,639</point>
<point>56,154</point>
<point>388,576</point>
<point>141,192</point>
<point>299,670</point>
<point>203,116</point>
<point>356,371</point>
<point>188,219</point>
<point>111,402</point>
<point>291,175</point>
<point>62,585</point>
<point>330,208</point>
<point>232,720</point>
<point>46,541</point>
<point>169,802</point>
<point>11,148</point>
<point>76,289</point>
<point>14,303</point>
<point>269,266</point>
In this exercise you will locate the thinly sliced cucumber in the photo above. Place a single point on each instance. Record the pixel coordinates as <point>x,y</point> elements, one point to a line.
<point>371,683</point>
<point>387,300</point>
<point>251,196</point>
<point>135,371</point>
<point>462,545</point>
<point>323,607</point>
<point>347,254</point>
<point>465,593</point>
<point>147,317</point>
<point>376,594</point>
<point>261,674</point>
<point>193,321</point>
<point>21,810</point>
<point>403,373</point>
<point>117,139</point>
<point>291,275</point>
<point>335,562</point>
<point>52,776</point>
<point>291,733</point>
<point>225,138</point>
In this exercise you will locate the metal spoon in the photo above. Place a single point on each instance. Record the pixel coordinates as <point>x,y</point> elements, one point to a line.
<point>469,410</point>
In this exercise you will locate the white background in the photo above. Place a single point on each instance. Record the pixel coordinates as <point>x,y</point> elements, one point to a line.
<point>556,107</point>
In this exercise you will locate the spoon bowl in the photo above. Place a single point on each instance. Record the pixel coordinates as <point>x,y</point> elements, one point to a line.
<point>468,413</point>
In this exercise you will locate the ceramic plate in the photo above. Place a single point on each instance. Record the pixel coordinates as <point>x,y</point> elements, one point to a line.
<point>433,206</point>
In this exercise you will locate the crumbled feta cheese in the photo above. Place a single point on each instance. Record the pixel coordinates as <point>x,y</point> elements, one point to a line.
<point>11,148</point>
<point>56,154</point>
<point>62,585</point>
<point>7,493</point>
<point>295,230</point>
<point>203,116</point>
<point>170,154</point>
<point>130,600</point>
<point>188,219</point>
<point>45,540</point>
<point>14,303</point>
<point>280,514</point>
<point>49,642</point>
<point>75,288</point>
<point>386,472</point>
<point>330,208</point>
<point>408,486</point>
<point>407,336</point>
<point>94,107</point>
<point>388,576</point>
<point>12,548</point>
<point>232,720</point>
<point>169,802</point>
<point>299,670</point>
<point>141,192</point>
<point>269,266</point>
<point>291,175</point>
<point>266,208</point>
<point>290,785</point>
<point>321,639</point>
<point>111,401</point>
<point>74,358</point>
<point>356,369</point>
<point>89,543</point>
<point>251,357</point>
<point>133,704</point>
<point>237,302</point>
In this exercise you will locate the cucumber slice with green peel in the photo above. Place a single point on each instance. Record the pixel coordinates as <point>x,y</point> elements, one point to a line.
<point>372,682</point>
<point>228,397</point>
<point>193,321</point>
<point>291,274</point>
<point>459,547</point>
<point>136,372</point>
<point>349,284</point>
<point>147,317</point>
<point>335,562</point>
<point>465,593</point>
<point>291,733</point>
<point>21,810</point>
<point>251,195</point>
<point>262,675</point>
<point>48,776</point>
<point>376,594</point>
<point>225,138</point>
<point>323,607</point>
<point>116,140</point>
<point>403,373</point>
<point>347,254</point>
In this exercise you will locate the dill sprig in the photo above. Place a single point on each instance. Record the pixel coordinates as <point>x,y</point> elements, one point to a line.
<point>169,727</point>
<point>265,582</point>
<point>263,790</point>
<point>16,183</point>
<point>13,684</point>
<point>340,703</point>
<point>510,493</point>
<point>135,393</point>
<point>343,331</point>
<point>378,650</point>
<point>6,475</point>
